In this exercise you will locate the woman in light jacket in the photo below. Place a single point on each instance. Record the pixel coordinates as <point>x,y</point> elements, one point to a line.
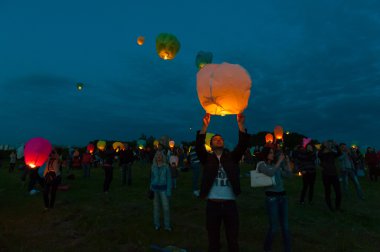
<point>52,177</point>
<point>276,199</point>
<point>161,185</point>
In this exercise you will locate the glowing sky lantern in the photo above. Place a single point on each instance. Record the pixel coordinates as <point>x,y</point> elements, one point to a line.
<point>208,141</point>
<point>36,152</point>
<point>305,141</point>
<point>156,143</point>
<point>140,40</point>
<point>141,143</point>
<point>79,86</point>
<point>202,59</point>
<point>167,46</point>
<point>223,89</point>
<point>171,144</point>
<point>118,146</point>
<point>278,132</point>
<point>318,146</point>
<point>90,148</point>
<point>101,145</point>
<point>269,138</point>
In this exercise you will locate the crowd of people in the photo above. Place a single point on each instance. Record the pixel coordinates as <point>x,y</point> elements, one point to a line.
<point>216,177</point>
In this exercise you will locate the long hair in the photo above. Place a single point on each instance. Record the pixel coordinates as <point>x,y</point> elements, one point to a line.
<point>158,152</point>
<point>264,154</point>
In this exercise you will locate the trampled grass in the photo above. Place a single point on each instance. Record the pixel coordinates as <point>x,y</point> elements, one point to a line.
<point>84,219</point>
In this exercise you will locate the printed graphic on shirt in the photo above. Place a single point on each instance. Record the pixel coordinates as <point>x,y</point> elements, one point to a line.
<point>221,179</point>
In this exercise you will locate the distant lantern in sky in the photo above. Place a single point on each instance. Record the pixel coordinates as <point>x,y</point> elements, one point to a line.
<point>80,86</point>
<point>101,145</point>
<point>141,143</point>
<point>117,146</point>
<point>269,138</point>
<point>202,59</point>
<point>167,46</point>
<point>171,144</point>
<point>36,152</point>
<point>90,148</point>
<point>278,132</point>
<point>223,89</point>
<point>140,40</point>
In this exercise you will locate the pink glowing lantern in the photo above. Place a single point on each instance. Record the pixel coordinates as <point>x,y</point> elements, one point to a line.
<point>90,148</point>
<point>36,152</point>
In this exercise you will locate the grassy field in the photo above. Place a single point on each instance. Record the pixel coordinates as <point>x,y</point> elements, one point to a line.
<point>86,220</point>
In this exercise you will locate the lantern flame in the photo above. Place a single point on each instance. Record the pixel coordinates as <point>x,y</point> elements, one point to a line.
<point>32,166</point>
<point>300,174</point>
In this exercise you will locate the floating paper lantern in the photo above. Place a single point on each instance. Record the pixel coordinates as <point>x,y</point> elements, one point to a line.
<point>202,59</point>
<point>141,143</point>
<point>223,89</point>
<point>156,143</point>
<point>118,146</point>
<point>36,152</point>
<point>167,46</point>
<point>278,132</point>
<point>171,144</point>
<point>90,148</point>
<point>305,141</point>
<point>140,40</point>
<point>269,138</point>
<point>101,145</point>
<point>79,86</point>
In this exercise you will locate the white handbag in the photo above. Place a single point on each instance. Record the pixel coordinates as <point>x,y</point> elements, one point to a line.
<point>259,179</point>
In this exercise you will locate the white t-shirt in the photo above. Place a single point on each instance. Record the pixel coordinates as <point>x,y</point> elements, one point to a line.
<point>221,188</point>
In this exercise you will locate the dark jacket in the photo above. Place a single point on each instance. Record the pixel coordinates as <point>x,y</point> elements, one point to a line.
<point>305,160</point>
<point>126,157</point>
<point>229,161</point>
<point>328,161</point>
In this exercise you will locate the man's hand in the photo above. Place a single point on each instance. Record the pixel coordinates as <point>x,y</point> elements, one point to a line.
<point>206,122</point>
<point>240,118</point>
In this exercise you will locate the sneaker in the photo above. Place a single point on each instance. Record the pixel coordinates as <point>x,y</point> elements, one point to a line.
<point>169,229</point>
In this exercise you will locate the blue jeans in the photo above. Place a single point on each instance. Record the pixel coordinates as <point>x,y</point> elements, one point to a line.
<point>160,197</point>
<point>277,208</point>
<point>86,170</point>
<point>351,173</point>
<point>196,173</point>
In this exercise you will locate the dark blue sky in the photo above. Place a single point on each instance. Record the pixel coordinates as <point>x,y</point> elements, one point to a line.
<point>315,68</point>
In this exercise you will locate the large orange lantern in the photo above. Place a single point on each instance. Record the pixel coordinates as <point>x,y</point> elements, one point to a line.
<point>118,146</point>
<point>167,46</point>
<point>140,40</point>
<point>101,145</point>
<point>269,138</point>
<point>36,152</point>
<point>278,132</point>
<point>223,89</point>
<point>90,148</point>
<point>171,144</point>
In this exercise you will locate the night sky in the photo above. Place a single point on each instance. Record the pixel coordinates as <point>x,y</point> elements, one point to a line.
<point>314,65</point>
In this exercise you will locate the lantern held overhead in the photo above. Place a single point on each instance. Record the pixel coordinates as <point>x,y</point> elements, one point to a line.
<point>90,148</point>
<point>223,89</point>
<point>36,152</point>
<point>269,138</point>
<point>117,146</point>
<point>101,145</point>
<point>278,132</point>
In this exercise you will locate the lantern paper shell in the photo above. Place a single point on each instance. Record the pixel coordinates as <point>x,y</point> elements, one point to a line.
<point>140,40</point>
<point>208,141</point>
<point>167,46</point>
<point>278,132</point>
<point>156,143</point>
<point>171,144</point>
<point>80,86</point>
<point>101,145</point>
<point>202,59</point>
<point>141,143</point>
<point>90,148</point>
<point>118,146</point>
<point>223,89</point>
<point>36,152</point>
<point>269,138</point>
